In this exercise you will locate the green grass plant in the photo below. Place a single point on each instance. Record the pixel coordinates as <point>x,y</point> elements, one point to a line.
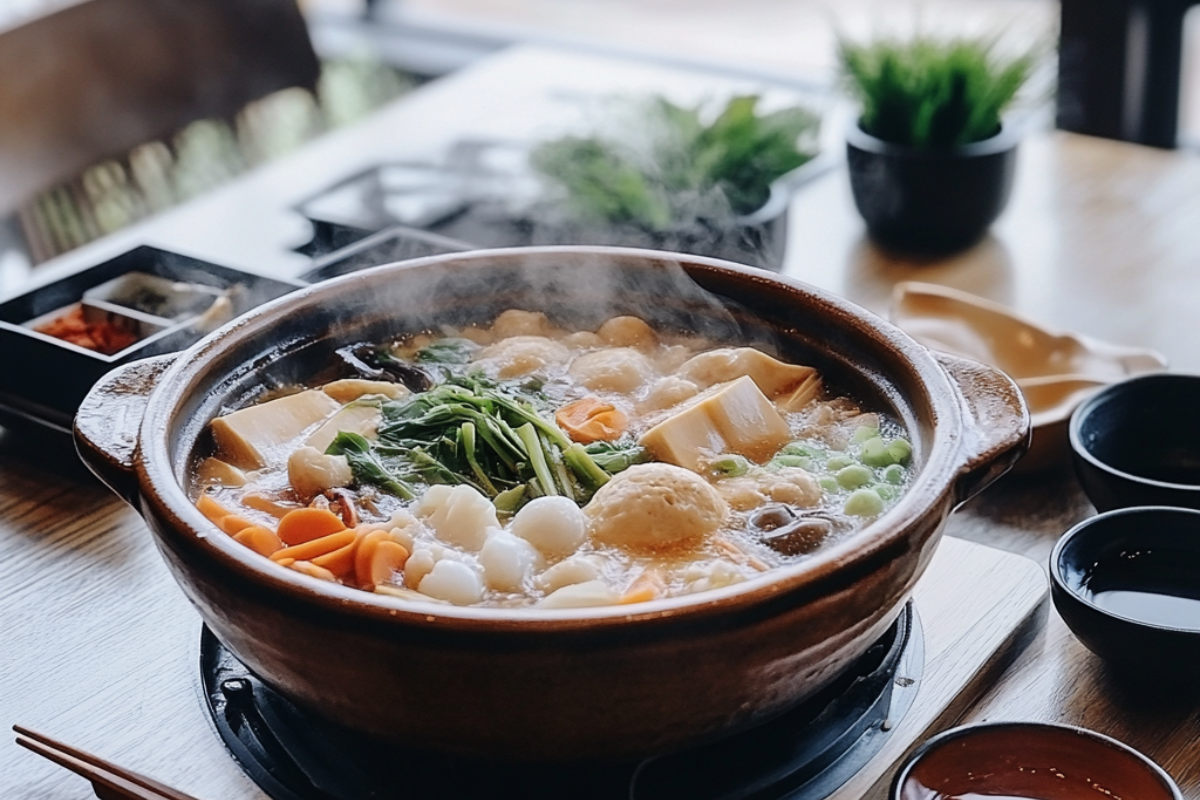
<point>670,165</point>
<point>929,92</point>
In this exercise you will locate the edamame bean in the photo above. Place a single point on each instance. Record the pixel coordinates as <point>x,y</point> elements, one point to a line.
<point>863,503</point>
<point>853,476</point>
<point>801,449</point>
<point>874,453</point>
<point>865,432</point>
<point>893,474</point>
<point>900,450</point>
<point>786,460</point>
<point>838,462</point>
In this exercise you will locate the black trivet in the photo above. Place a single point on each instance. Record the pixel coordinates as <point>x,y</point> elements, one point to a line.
<point>803,754</point>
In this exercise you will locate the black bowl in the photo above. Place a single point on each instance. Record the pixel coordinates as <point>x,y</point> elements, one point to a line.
<point>1137,443</point>
<point>1029,759</point>
<point>1127,582</point>
<point>930,200</point>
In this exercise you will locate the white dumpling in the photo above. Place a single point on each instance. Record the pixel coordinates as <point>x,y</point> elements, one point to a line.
<point>617,369</point>
<point>516,322</point>
<point>508,561</point>
<point>554,525</point>
<point>459,515</point>
<point>454,582</point>
<point>627,332</point>
<point>666,392</point>
<point>521,355</point>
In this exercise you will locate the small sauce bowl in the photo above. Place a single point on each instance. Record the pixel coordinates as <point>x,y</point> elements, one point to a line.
<point>1127,582</point>
<point>1136,443</point>
<point>1038,761</point>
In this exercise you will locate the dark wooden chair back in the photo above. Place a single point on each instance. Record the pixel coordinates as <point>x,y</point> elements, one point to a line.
<point>94,80</point>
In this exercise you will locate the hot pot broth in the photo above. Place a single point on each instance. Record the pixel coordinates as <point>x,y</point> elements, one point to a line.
<point>520,464</point>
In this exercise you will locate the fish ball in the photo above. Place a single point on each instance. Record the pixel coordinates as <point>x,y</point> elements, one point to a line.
<point>508,561</point>
<point>554,525</point>
<point>454,582</point>
<point>459,515</point>
<point>655,507</point>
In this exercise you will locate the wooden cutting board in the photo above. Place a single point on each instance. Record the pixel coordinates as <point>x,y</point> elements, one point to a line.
<point>978,607</point>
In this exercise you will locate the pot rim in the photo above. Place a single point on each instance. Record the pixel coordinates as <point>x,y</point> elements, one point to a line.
<point>1002,141</point>
<point>949,735</point>
<point>931,493</point>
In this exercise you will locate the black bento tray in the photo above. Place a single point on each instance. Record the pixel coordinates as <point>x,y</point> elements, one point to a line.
<point>44,379</point>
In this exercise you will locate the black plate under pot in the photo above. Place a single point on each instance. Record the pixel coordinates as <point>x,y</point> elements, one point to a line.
<point>803,754</point>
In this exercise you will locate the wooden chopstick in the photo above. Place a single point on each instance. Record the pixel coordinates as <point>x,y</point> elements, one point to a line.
<point>109,781</point>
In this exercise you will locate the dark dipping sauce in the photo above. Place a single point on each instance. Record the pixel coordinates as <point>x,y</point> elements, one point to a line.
<point>1030,762</point>
<point>1159,586</point>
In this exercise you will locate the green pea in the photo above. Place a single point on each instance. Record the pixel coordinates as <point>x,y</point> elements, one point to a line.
<point>874,453</point>
<point>885,491</point>
<point>865,432</point>
<point>801,449</point>
<point>893,474</point>
<point>863,503</point>
<point>853,476</point>
<point>828,484</point>
<point>838,462</point>
<point>900,450</point>
<point>729,466</point>
<point>785,460</point>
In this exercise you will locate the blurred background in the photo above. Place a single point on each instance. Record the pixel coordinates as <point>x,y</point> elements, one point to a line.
<point>364,53</point>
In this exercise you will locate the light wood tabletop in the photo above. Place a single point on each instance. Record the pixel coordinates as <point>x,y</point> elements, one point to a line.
<point>99,648</point>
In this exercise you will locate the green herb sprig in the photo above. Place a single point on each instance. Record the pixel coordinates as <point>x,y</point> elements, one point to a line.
<point>929,92</point>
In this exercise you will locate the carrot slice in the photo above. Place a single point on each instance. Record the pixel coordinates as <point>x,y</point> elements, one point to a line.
<point>259,539</point>
<point>362,558</point>
<point>591,420</point>
<point>233,523</point>
<point>305,524</point>
<point>309,568</point>
<point>309,550</point>
<point>341,561</point>
<point>210,508</point>
<point>388,557</point>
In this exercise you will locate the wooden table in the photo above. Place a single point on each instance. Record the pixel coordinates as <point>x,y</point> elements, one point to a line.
<point>99,648</point>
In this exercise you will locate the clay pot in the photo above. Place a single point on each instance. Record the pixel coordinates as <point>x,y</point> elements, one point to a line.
<point>592,683</point>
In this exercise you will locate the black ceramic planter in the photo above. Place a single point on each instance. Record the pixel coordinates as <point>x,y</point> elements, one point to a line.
<point>930,200</point>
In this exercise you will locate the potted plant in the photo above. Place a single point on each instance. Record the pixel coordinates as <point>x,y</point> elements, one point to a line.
<point>678,178</point>
<point>931,161</point>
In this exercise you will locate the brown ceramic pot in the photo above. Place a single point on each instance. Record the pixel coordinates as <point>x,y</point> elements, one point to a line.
<point>587,683</point>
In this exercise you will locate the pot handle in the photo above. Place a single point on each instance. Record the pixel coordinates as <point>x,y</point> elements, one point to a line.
<point>996,423</point>
<point>107,423</point>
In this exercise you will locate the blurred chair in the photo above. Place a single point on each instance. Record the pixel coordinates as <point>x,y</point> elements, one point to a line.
<point>1119,68</point>
<point>94,80</point>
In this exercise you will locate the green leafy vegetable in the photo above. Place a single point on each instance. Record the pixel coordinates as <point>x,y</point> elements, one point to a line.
<point>926,92</point>
<point>476,432</point>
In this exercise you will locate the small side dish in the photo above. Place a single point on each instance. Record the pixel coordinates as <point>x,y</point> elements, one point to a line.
<point>1127,583</point>
<point>1037,761</point>
<point>520,464</point>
